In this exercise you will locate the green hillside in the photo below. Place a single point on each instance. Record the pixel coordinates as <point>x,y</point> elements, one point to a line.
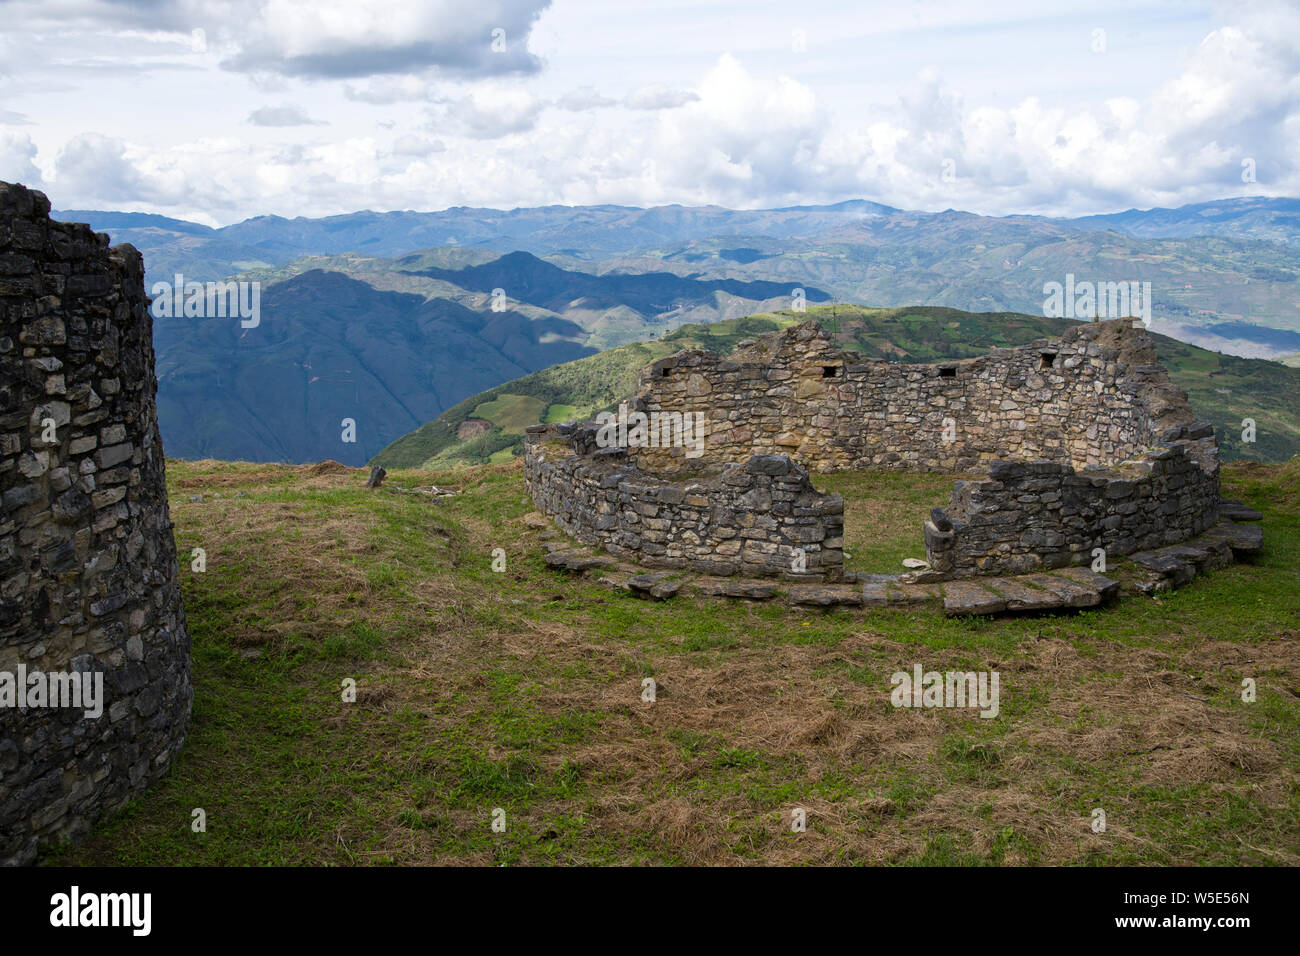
<point>572,391</point>
<point>1223,389</point>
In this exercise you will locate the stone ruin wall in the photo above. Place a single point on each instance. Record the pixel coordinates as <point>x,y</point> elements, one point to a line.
<point>1102,398</point>
<point>1030,515</point>
<point>1096,400</point>
<point>749,519</point>
<point>88,566</point>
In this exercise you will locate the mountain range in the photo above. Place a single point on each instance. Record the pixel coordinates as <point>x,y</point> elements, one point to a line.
<point>489,427</point>
<point>390,344</point>
<point>390,319</point>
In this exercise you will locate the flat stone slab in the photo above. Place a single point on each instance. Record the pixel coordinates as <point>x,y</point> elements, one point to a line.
<point>1067,589</point>
<point>1200,559</point>
<point>875,594</point>
<point>745,590</point>
<point>578,561</point>
<point>1174,570</point>
<point>879,578</point>
<point>1022,597</point>
<point>1243,539</point>
<point>657,585</point>
<point>811,595</point>
<point>1071,593</point>
<point>1106,588</point>
<point>1178,564</point>
<point>888,592</point>
<point>907,595</point>
<point>968,597</point>
<point>1236,511</point>
<point>1210,553</point>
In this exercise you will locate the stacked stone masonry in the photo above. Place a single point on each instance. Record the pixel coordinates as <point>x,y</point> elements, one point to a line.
<point>1089,445</point>
<point>1096,396</point>
<point>88,565</point>
<point>760,517</point>
<point>1044,514</point>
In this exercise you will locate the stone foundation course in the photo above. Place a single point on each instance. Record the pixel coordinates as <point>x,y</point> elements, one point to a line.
<point>88,564</point>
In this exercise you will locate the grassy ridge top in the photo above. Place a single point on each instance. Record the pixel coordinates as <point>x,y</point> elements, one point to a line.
<point>1222,388</point>
<point>521,690</point>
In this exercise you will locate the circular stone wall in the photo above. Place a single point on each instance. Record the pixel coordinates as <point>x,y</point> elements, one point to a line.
<point>792,400</point>
<point>94,654</point>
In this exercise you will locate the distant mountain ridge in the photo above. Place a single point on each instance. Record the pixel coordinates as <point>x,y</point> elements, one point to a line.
<point>1216,268</point>
<point>104,221</point>
<point>391,344</point>
<point>489,427</point>
<point>1249,217</point>
<point>537,282</point>
<point>397,316</point>
<point>605,230</point>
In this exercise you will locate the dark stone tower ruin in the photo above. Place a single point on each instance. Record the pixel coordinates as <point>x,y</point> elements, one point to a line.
<point>89,590</point>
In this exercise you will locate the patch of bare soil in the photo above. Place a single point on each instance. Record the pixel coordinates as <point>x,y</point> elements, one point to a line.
<point>327,467</point>
<point>472,427</point>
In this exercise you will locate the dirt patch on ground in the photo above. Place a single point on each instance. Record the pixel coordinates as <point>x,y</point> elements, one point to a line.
<point>328,467</point>
<point>472,427</point>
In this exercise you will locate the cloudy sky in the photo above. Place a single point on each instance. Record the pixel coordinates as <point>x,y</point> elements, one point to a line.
<point>220,111</point>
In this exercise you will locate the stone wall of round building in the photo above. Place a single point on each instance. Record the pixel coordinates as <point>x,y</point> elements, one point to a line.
<point>761,516</point>
<point>1029,515</point>
<point>1095,396</point>
<point>1088,443</point>
<point>89,591</point>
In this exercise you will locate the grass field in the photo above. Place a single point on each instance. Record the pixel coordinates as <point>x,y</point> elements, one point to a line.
<point>560,413</point>
<point>513,413</point>
<point>521,691</point>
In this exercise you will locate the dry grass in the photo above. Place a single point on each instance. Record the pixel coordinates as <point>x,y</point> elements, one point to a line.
<point>522,690</point>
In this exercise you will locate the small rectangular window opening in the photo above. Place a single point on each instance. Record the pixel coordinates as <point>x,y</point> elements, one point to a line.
<point>664,372</point>
<point>1049,359</point>
<point>947,371</point>
<point>830,371</point>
